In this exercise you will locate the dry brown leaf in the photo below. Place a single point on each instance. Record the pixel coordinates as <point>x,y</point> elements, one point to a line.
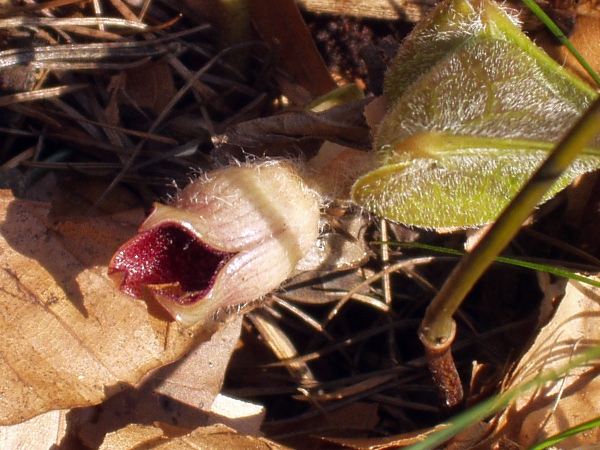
<point>41,432</point>
<point>151,86</point>
<point>144,407</point>
<point>69,337</point>
<point>71,195</point>
<point>335,168</point>
<point>244,417</point>
<point>140,406</point>
<point>303,289</point>
<point>389,442</point>
<point>196,379</point>
<point>134,436</point>
<point>279,22</point>
<point>344,124</point>
<point>564,403</point>
<point>375,112</point>
<point>216,437</point>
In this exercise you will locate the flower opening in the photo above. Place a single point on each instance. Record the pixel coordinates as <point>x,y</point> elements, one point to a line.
<point>169,260</point>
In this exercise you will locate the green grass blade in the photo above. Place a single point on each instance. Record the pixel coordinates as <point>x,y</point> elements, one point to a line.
<point>495,404</point>
<point>556,31</point>
<point>566,434</point>
<point>438,324</point>
<point>501,259</point>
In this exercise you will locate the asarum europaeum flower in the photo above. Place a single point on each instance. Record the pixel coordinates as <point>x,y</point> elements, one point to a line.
<point>229,237</point>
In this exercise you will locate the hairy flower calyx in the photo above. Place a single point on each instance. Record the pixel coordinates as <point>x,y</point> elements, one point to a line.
<point>229,237</point>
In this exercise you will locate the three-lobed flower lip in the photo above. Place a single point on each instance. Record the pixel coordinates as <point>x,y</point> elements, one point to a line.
<point>170,260</point>
<point>230,237</point>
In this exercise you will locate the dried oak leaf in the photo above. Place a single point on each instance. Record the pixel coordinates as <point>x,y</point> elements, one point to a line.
<point>343,124</point>
<point>69,337</point>
<point>216,437</point>
<point>41,432</point>
<point>196,379</point>
<point>567,402</point>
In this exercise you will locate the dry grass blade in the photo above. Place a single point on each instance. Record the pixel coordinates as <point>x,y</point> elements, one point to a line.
<point>281,346</point>
<point>147,80</point>
<point>39,94</point>
<point>71,22</point>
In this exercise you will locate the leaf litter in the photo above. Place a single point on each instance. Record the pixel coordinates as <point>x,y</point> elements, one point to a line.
<point>351,369</point>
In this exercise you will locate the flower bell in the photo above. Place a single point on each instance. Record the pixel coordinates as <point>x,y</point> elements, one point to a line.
<point>229,237</point>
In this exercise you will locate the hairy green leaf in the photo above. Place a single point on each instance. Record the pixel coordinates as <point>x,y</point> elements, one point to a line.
<point>475,109</point>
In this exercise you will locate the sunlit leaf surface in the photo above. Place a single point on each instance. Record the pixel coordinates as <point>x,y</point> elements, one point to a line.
<point>495,103</point>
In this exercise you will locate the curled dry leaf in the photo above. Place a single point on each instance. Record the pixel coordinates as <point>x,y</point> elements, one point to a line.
<point>388,442</point>
<point>280,22</point>
<point>216,437</point>
<point>183,394</point>
<point>197,378</point>
<point>69,338</point>
<point>151,86</point>
<point>335,168</point>
<point>343,124</point>
<point>567,402</point>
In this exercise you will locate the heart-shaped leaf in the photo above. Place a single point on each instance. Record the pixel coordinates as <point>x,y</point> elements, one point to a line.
<point>476,110</point>
<point>464,181</point>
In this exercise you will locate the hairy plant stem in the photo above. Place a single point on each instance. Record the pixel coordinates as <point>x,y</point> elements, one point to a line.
<point>438,327</point>
<point>443,369</point>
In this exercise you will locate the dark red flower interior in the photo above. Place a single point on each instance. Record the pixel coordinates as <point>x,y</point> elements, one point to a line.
<point>168,254</point>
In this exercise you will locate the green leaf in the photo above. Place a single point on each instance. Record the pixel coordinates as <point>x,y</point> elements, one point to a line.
<point>457,181</point>
<point>453,23</point>
<point>478,109</point>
